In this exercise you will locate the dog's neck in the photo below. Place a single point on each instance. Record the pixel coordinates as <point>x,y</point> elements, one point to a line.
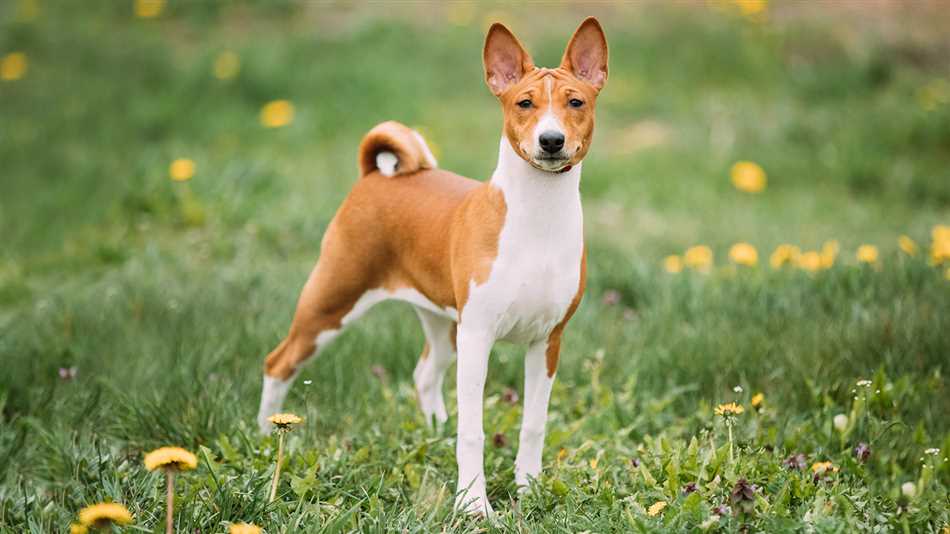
<point>530,192</point>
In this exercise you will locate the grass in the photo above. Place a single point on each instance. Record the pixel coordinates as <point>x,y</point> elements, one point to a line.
<point>165,296</point>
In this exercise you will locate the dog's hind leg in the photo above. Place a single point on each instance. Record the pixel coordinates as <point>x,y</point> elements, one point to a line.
<point>335,295</point>
<point>437,355</point>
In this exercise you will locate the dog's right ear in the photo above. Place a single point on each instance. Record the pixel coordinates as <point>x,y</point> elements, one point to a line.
<point>506,61</point>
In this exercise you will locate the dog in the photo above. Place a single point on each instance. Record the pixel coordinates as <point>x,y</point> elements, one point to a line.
<point>479,261</point>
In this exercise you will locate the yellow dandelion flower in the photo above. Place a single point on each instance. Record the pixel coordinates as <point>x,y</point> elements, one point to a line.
<point>181,170</point>
<point>171,457</point>
<point>13,66</point>
<point>823,467</point>
<point>76,528</point>
<point>102,514</point>
<point>729,409</point>
<point>27,10</point>
<point>908,245</point>
<point>148,9</point>
<point>593,463</point>
<point>227,65</point>
<point>829,251</point>
<point>867,254</point>
<point>656,508</point>
<point>277,113</point>
<point>460,13</point>
<point>699,257</point>
<point>809,261</point>
<point>784,254</point>
<point>744,254</point>
<point>748,176</point>
<point>244,528</point>
<point>561,455</point>
<point>940,245</point>
<point>284,420</point>
<point>751,7</point>
<point>757,400</point>
<point>673,263</point>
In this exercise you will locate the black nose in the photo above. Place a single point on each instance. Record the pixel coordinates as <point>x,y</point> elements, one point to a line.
<point>551,142</point>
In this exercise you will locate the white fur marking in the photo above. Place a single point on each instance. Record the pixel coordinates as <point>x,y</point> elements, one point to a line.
<point>273,393</point>
<point>532,282</point>
<point>386,163</point>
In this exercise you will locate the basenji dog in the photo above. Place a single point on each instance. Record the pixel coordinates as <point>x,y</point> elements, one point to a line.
<point>479,261</point>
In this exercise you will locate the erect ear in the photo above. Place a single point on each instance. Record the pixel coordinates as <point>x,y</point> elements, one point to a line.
<point>506,61</point>
<point>586,54</point>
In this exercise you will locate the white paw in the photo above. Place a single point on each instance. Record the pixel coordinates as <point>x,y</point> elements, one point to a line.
<point>263,424</point>
<point>476,505</point>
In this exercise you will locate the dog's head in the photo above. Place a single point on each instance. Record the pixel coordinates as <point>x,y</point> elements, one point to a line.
<point>549,113</point>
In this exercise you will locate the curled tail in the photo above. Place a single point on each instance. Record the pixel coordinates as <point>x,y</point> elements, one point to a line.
<point>394,148</point>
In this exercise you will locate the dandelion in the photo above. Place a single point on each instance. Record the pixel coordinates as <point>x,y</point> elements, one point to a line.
<point>908,245</point>
<point>729,412</point>
<point>277,113</point>
<point>460,13</point>
<point>757,400</point>
<point>730,409</point>
<point>181,170</point>
<point>867,254</point>
<point>283,423</point>
<point>908,489</point>
<point>784,254</point>
<point>13,66</point>
<point>744,254</point>
<point>940,245</point>
<point>76,528</point>
<point>748,177</point>
<point>829,251</point>
<point>840,422</point>
<point>103,515</point>
<point>820,468</point>
<point>148,9</point>
<point>673,263</point>
<point>699,257</point>
<point>656,508</point>
<point>244,528</point>
<point>227,65</point>
<point>751,8</point>
<point>809,261</point>
<point>171,460</point>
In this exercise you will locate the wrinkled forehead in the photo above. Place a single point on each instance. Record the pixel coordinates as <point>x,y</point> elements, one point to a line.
<point>542,79</point>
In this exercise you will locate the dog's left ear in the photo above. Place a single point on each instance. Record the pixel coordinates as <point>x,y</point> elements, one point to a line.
<point>586,54</point>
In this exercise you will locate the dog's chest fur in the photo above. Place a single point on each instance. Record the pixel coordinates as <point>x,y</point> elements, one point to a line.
<point>536,273</point>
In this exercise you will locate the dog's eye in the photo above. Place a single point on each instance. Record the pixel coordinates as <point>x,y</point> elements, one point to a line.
<point>524,104</point>
<point>575,103</point>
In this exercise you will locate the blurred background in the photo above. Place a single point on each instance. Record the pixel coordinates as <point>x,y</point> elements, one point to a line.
<point>167,170</point>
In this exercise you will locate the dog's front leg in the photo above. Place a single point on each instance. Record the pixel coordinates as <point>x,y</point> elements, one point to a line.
<point>474,346</point>
<point>537,392</point>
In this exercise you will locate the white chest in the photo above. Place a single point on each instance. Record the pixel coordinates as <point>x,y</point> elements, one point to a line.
<point>536,273</point>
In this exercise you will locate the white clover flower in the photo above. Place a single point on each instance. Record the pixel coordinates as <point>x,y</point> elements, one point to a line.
<point>840,422</point>
<point>737,389</point>
<point>932,451</point>
<point>909,489</point>
<point>864,383</point>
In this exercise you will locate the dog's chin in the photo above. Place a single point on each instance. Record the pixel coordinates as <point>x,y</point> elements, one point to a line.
<point>550,164</point>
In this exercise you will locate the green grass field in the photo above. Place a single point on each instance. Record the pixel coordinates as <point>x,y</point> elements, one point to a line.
<point>166,295</point>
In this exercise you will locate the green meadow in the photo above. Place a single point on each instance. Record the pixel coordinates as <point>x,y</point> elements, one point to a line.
<point>136,309</point>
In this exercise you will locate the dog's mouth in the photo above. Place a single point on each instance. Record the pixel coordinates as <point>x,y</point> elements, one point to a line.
<point>551,162</point>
